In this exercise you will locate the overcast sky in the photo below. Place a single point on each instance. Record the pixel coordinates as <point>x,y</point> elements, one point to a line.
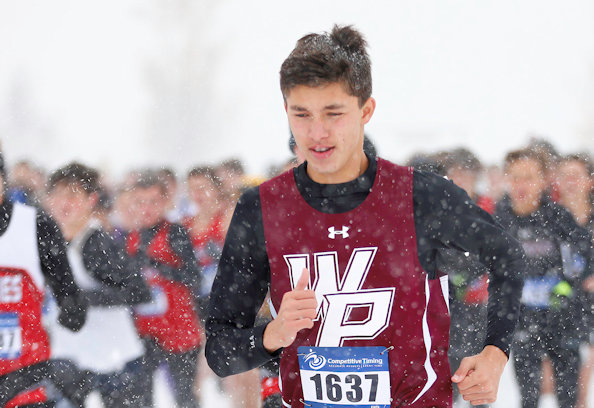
<point>128,83</point>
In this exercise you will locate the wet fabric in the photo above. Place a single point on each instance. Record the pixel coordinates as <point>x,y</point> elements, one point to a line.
<point>558,255</point>
<point>444,217</point>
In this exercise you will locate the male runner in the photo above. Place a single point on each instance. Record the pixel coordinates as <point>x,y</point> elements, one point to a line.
<point>108,344</point>
<point>558,253</point>
<point>346,243</point>
<point>168,325</point>
<point>32,255</point>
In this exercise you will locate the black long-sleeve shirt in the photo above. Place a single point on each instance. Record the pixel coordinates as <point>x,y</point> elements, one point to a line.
<point>557,249</point>
<point>54,266</point>
<point>109,264</point>
<point>445,217</point>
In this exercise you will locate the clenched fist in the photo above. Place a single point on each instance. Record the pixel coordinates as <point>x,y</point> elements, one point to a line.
<point>297,312</point>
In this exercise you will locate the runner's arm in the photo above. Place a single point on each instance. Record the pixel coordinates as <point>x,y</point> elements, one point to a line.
<point>233,343</point>
<point>109,264</point>
<point>188,272</point>
<point>445,217</point>
<point>55,267</point>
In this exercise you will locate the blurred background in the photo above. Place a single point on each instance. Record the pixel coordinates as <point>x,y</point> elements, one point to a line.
<point>120,84</point>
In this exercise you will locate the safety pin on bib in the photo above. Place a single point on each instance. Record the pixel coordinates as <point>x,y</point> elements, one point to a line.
<point>387,349</point>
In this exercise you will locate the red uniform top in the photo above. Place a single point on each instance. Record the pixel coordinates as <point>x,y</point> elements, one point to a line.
<point>170,318</point>
<point>214,232</point>
<point>23,339</point>
<point>370,287</point>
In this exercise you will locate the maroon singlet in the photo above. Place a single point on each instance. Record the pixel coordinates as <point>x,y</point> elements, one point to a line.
<point>365,270</point>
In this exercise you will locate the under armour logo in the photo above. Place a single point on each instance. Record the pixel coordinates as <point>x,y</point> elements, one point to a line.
<point>332,232</point>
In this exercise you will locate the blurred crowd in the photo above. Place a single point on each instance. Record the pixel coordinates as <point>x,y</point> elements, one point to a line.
<point>143,253</point>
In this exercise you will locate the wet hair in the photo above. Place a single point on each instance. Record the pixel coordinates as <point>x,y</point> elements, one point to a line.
<point>292,142</point>
<point>2,168</point>
<point>548,154</point>
<point>321,59</point>
<point>3,181</point>
<point>207,172</point>
<point>148,179</point>
<point>232,166</point>
<point>167,175</point>
<point>522,154</point>
<point>461,158</point>
<point>583,158</point>
<point>75,173</point>
<point>105,201</point>
<point>432,163</point>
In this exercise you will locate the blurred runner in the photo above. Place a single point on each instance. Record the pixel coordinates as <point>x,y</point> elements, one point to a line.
<point>169,324</point>
<point>575,184</point>
<point>32,255</point>
<point>108,344</point>
<point>558,253</point>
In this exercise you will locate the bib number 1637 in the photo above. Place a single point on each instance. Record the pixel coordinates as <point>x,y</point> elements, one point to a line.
<point>351,386</point>
<point>344,376</point>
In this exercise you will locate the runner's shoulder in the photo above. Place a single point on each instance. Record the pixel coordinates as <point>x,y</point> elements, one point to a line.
<point>249,199</point>
<point>430,189</point>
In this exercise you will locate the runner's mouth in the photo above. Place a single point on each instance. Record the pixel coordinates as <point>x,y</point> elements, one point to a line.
<point>322,151</point>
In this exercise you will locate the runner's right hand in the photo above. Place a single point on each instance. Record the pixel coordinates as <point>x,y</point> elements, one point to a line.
<point>297,312</point>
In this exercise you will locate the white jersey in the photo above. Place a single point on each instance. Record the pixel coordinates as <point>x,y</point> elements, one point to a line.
<point>18,244</point>
<point>108,340</point>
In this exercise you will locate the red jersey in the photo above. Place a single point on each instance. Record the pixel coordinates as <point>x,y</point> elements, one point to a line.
<point>214,232</point>
<point>369,284</point>
<point>23,339</point>
<point>170,318</point>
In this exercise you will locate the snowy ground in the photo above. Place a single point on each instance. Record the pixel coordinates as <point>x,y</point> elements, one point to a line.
<point>508,394</point>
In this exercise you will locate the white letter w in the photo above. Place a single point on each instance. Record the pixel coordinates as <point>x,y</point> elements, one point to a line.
<point>337,297</point>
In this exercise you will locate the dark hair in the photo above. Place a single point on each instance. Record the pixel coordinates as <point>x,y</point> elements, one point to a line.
<point>167,174</point>
<point>2,168</point>
<point>583,158</point>
<point>461,158</point>
<point>432,163</point>
<point>207,172</point>
<point>522,154</point>
<point>75,173</point>
<point>3,182</point>
<point>320,59</point>
<point>148,179</point>
<point>232,166</point>
<point>292,142</point>
<point>105,201</point>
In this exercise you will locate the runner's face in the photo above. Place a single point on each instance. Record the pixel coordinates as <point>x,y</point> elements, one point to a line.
<point>573,179</point>
<point>150,206</point>
<point>69,204</point>
<point>526,183</point>
<point>202,191</point>
<point>463,178</point>
<point>328,124</point>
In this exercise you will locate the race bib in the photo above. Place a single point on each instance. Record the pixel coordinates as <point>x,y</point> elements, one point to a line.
<point>11,289</point>
<point>537,291</point>
<point>10,336</point>
<point>156,307</point>
<point>345,376</point>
